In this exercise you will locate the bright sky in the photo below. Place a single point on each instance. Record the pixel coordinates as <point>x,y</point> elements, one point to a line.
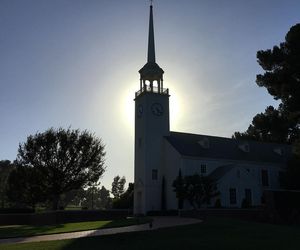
<point>75,63</point>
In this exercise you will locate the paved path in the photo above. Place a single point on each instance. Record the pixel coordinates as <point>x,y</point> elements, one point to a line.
<point>158,222</point>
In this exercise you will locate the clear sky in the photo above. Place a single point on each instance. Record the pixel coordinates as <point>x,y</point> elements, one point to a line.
<point>75,63</point>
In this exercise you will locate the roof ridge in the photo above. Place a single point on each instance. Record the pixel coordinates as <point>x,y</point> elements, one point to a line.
<point>232,139</point>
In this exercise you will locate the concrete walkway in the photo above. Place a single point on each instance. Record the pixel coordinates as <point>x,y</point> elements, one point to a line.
<point>158,222</point>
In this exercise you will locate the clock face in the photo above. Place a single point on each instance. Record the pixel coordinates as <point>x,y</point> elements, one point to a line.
<point>139,111</point>
<point>157,109</point>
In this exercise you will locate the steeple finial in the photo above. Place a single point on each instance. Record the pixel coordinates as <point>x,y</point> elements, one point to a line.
<point>151,46</point>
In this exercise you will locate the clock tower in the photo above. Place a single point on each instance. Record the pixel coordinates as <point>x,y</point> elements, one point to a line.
<point>151,125</point>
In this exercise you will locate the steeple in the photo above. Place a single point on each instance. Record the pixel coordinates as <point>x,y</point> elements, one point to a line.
<point>151,72</point>
<point>151,45</point>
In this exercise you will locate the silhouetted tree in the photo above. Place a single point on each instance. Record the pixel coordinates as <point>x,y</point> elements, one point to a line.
<point>196,189</point>
<point>282,80</point>
<point>209,190</point>
<point>282,70</point>
<point>64,160</point>
<point>91,198</point>
<point>125,201</point>
<point>25,188</point>
<point>178,185</point>
<point>117,186</point>
<point>290,179</point>
<point>105,199</point>
<point>271,126</point>
<point>5,169</point>
<point>69,198</point>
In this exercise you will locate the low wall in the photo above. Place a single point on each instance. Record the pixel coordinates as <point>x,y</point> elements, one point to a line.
<point>282,206</point>
<point>59,217</point>
<point>248,214</point>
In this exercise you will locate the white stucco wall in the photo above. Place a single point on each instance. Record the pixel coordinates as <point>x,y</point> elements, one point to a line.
<point>249,176</point>
<point>172,163</point>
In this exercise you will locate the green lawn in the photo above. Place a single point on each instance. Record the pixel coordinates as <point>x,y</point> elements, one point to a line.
<point>214,233</point>
<point>19,231</point>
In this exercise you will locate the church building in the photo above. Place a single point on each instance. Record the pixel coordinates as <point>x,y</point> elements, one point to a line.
<point>242,169</point>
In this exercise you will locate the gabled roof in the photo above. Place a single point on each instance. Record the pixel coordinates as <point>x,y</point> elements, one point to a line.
<point>221,171</point>
<point>227,148</point>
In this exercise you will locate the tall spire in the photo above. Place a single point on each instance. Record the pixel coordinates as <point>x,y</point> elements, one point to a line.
<point>151,45</point>
<point>151,72</point>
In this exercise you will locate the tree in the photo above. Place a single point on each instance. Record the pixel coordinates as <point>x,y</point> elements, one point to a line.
<point>282,80</point>
<point>271,126</point>
<point>96,198</point>
<point>209,189</point>
<point>64,160</point>
<point>290,179</point>
<point>105,199</point>
<point>178,185</point>
<point>125,201</point>
<point>196,189</point>
<point>24,187</point>
<point>282,70</point>
<point>91,198</point>
<point>117,186</point>
<point>5,169</point>
<point>193,190</point>
<point>74,197</point>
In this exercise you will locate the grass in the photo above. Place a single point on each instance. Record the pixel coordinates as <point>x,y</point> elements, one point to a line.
<point>26,230</point>
<point>215,233</point>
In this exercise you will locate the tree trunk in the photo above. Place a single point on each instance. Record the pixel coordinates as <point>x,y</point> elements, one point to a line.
<point>55,202</point>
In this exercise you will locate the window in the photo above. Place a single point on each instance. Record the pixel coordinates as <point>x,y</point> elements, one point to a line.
<point>248,196</point>
<point>264,178</point>
<point>232,196</point>
<point>154,174</point>
<point>203,168</point>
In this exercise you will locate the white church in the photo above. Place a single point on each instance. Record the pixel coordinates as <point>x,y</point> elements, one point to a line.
<point>242,169</point>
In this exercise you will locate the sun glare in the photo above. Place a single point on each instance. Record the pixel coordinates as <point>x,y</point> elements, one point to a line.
<point>176,109</point>
<point>127,107</point>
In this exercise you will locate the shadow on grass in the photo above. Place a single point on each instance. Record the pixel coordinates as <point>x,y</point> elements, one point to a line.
<point>215,233</point>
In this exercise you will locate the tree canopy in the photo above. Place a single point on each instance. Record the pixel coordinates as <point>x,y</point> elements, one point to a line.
<point>196,189</point>
<point>281,78</point>
<point>282,70</point>
<point>5,169</point>
<point>55,162</point>
<point>271,126</point>
<point>117,186</point>
<point>125,201</point>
